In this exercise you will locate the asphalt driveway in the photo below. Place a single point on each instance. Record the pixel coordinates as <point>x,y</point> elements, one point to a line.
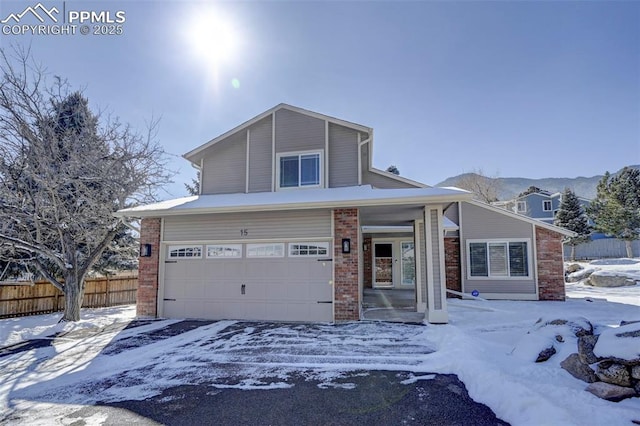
<point>241,373</point>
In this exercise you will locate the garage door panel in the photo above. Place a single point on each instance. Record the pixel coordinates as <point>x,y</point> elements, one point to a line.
<point>282,289</point>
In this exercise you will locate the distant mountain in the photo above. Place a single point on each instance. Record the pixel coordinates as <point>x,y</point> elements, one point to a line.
<point>510,187</point>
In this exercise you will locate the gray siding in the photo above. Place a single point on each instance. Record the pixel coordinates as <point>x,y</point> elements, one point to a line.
<point>225,165</point>
<point>259,225</point>
<point>435,258</point>
<point>343,156</point>
<point>481,223</point>
<point>298,132</point>
<point>383,182</point>
<point>452,213</point>
<point>260,158</point>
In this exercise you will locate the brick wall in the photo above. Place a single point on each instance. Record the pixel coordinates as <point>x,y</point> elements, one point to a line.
<point>367,257</point>
<point>148,269</point>
<point>347,294</point>
<point>550,265</point>
<point>452,264</point>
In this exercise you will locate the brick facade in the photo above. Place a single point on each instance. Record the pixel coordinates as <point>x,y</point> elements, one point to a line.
<point>550,265</point>
<point>452,264</point>
<point>148,269</point>
<point>347,294</point>
<point>367,259</point>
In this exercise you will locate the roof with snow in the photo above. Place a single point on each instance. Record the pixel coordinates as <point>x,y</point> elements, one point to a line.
<point>353,196</point>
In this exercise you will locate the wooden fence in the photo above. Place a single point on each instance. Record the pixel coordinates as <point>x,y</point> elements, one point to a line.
<point>42,297</point>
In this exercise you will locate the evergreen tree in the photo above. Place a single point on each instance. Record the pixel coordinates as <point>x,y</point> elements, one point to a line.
<point>616,210</point>
<point>571,216</point>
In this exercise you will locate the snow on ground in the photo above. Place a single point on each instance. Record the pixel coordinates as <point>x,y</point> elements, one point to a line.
<point>489,349</point>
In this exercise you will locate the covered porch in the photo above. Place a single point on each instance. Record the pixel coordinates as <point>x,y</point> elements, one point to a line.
<point>402,263</point>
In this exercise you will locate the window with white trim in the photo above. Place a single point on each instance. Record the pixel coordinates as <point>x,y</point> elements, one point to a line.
<point>182,252</point>
<point>546,205</point>
<point>218,251</point>
<point>299,170</point>
<point>498,259</point>
<point>265,250</point>
<point>521,207</point>
<point>308,249</point>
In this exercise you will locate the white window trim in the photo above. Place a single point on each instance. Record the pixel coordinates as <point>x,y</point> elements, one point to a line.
<point>230,246</point>
<point>250,246</point>
<point>550,205</point>
<point>324,245</point>
<point>299,154</point>
<point>180,247</point>
<point>523,209</point>
<point>530,260</point>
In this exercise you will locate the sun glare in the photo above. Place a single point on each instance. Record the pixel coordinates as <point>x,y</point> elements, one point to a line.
<point>212,38</point>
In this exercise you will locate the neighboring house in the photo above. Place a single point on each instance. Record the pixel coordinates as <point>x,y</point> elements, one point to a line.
<point>293,223</point>
<point>540,205</point>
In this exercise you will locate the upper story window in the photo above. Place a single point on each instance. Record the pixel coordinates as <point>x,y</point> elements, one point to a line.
<point>299,170</point>
<point>546,205</point>
<point>521,207</point>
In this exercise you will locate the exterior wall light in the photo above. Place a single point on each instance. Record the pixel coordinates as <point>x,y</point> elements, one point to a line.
<point>145,250</point>
<point>346,245</point>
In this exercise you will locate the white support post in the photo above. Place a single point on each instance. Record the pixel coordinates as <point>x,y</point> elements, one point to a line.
<point>436,272</point>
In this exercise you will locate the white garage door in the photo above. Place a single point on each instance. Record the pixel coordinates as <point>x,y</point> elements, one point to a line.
<point>280,282</point>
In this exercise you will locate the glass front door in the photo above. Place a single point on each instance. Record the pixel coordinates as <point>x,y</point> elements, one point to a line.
<point>408,260</point>
<point>383,265</point>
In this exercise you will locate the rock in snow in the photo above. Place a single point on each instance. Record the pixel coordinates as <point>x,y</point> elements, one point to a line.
<point>609,280</point>
<point>574,365</point>
<point>610,392</point>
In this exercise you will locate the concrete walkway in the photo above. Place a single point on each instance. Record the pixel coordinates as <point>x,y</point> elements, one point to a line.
<point>391,305</point>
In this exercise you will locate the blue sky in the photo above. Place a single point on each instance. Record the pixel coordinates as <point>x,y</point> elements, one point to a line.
<point>528,89</point>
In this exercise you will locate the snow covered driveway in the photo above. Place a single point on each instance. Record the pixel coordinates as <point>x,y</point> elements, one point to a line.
<point>140,359</point>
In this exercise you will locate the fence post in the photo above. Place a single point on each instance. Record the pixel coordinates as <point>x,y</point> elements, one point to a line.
<point>107,302</point>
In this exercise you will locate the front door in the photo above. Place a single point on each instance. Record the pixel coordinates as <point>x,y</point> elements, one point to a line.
<point>383,265</point>
<point>408,268</point>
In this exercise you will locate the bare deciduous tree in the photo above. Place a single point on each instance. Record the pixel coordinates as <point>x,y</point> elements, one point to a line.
<point>484,188</point>
<point>64,171</point>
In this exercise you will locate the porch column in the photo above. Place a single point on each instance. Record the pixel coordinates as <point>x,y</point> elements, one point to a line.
<point>435,266</point>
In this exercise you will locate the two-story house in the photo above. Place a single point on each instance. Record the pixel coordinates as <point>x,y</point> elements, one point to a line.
<point>293,222</point>
<point>537,204</point>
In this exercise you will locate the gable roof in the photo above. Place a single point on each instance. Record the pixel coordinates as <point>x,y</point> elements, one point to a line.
<point>192,155</point>
<point>523,218</point>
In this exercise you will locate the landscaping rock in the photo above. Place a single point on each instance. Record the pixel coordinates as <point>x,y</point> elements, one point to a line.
<point>579,275</point>
<point>609,280</point>
<point>610,392</point>
<point>635,372</point>
<point>574,267</point>
<point>585,349</point>
<point>613,373</point>
<point>579,326</point>
<point>574,365</point>
<point>545,354</point>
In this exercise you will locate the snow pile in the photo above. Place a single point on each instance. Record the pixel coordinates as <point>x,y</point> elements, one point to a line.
<point>613,343</point>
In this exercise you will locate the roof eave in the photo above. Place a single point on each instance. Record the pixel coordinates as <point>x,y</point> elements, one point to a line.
<point>435,199</point>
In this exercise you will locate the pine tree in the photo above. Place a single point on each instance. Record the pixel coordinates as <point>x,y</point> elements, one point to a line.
<point>393,169</point>
<point>571,216</point>
<point>616,210</point>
